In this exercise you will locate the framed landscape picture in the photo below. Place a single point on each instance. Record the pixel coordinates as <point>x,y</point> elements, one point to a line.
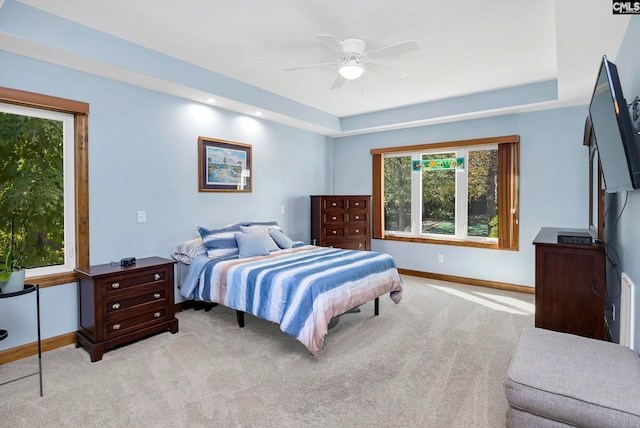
<point>223,166</point>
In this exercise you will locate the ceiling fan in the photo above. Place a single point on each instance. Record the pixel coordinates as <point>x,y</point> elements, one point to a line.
<point>354,57</point>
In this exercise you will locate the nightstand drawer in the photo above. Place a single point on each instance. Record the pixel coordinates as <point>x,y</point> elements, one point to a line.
<point>123,282</point>
<point>149,295</point>
<point>139,320</point>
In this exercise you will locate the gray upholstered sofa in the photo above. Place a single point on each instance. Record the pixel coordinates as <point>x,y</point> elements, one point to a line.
<point>559,380</point>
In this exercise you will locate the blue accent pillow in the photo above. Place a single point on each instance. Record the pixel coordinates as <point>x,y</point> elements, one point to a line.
<point>220,242</point>
<point>251,244</point>
<point>262,230</point>
<point>281,239</point>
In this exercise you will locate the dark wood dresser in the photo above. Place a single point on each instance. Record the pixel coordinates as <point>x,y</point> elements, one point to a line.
<point>570,285</point>
<point>121,304</point>
<point>341,221</point>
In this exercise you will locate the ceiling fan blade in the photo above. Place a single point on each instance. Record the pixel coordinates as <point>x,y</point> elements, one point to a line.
<point>301,67</point>
<point>400,74</point>
<point>332,43</point>
<point>337,84</point>
<point>393,50</point>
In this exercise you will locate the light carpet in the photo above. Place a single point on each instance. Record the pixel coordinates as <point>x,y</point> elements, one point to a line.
<point>438,359</point>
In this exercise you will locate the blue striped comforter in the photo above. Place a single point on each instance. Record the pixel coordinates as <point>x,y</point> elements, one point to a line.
<point>301,288</point>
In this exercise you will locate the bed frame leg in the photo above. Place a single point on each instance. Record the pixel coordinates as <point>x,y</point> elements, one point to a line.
<point>240,318</point>
<point>376,306</point>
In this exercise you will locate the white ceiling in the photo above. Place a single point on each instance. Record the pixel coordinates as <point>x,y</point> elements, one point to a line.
<point>466,46</point>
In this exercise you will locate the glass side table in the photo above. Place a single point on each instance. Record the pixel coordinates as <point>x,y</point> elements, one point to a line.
<point>28,288</point>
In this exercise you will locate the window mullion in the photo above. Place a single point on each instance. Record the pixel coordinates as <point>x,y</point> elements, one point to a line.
<point>416,199</point>
<point>462,196</point>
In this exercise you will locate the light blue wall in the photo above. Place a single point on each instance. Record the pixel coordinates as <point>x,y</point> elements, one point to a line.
<point>554,187</point>
<point>625,238</point>
<point>143,156</point>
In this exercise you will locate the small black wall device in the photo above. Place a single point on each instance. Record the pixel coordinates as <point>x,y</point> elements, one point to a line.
<point>577,238</point>
<point>128,261</point>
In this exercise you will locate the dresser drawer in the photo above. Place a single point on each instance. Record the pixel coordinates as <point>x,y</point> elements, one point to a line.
<point>137,321</point>
<point>334,217</point>
<point>334,203</point>
<point>353,244</point>
<point>123,301</point>
<point>333,232</point>
<point>358,203</point>
<point>358,217</point>
<point>119,283</point>
<point>357,231</point>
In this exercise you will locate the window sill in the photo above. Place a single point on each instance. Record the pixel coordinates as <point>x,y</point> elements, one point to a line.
<point>454,242</point>
<point>53,279</point>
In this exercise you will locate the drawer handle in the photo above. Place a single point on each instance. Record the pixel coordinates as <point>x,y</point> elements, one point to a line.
<point>115,285</point>
<point>357,204</point>
<point>116,306</point>
<point>156,295</point>
<point>157,315</point>
<point>333,204</point>
<point>360,245</point>
<point>156,276</point>
<point>116,326</point>
<point>333,218</point>
<point>334,232</point>
<point>357,217</point>
<point>357,230</point>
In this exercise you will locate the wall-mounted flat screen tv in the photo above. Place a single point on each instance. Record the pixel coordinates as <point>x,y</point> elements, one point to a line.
<point>616,138</point>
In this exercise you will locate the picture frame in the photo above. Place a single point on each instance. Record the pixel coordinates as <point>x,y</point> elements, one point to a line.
<point>223,166</point>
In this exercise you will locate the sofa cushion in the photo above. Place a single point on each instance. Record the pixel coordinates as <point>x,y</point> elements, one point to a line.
<point>574,380</point>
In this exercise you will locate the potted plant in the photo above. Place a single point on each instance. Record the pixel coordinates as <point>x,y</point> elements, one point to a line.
<point>11,270</point>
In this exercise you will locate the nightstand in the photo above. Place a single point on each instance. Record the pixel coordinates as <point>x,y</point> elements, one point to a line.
<point>121,304</point>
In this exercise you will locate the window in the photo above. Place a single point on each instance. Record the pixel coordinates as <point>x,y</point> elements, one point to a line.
<point>37,202</point>
<point>457,193</point>
<point>46,138</point>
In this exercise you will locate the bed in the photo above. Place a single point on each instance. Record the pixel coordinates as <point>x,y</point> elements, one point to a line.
<point>300,287</point>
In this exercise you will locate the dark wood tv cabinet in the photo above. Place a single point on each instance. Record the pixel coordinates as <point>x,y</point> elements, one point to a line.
<point>570,285</point>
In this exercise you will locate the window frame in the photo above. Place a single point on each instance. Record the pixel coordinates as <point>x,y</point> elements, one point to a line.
<point>80,112</point>
<point>508,192</point>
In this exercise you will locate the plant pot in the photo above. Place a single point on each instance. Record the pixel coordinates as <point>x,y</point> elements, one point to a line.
<point>15,282</point>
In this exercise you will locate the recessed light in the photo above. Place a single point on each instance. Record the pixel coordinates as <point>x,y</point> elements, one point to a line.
<point>211,100</point>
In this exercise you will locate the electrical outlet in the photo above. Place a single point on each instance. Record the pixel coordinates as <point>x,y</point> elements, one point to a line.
<point>282,209</point>
<point>440,258</point>
<point>142,217</point>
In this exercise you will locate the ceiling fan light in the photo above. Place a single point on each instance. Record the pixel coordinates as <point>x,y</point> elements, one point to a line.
<point>351,70</point>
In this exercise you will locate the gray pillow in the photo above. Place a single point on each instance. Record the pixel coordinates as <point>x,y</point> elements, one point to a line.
<point>263,230</point>
<point>251,244</point>
<point>281,239</point>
